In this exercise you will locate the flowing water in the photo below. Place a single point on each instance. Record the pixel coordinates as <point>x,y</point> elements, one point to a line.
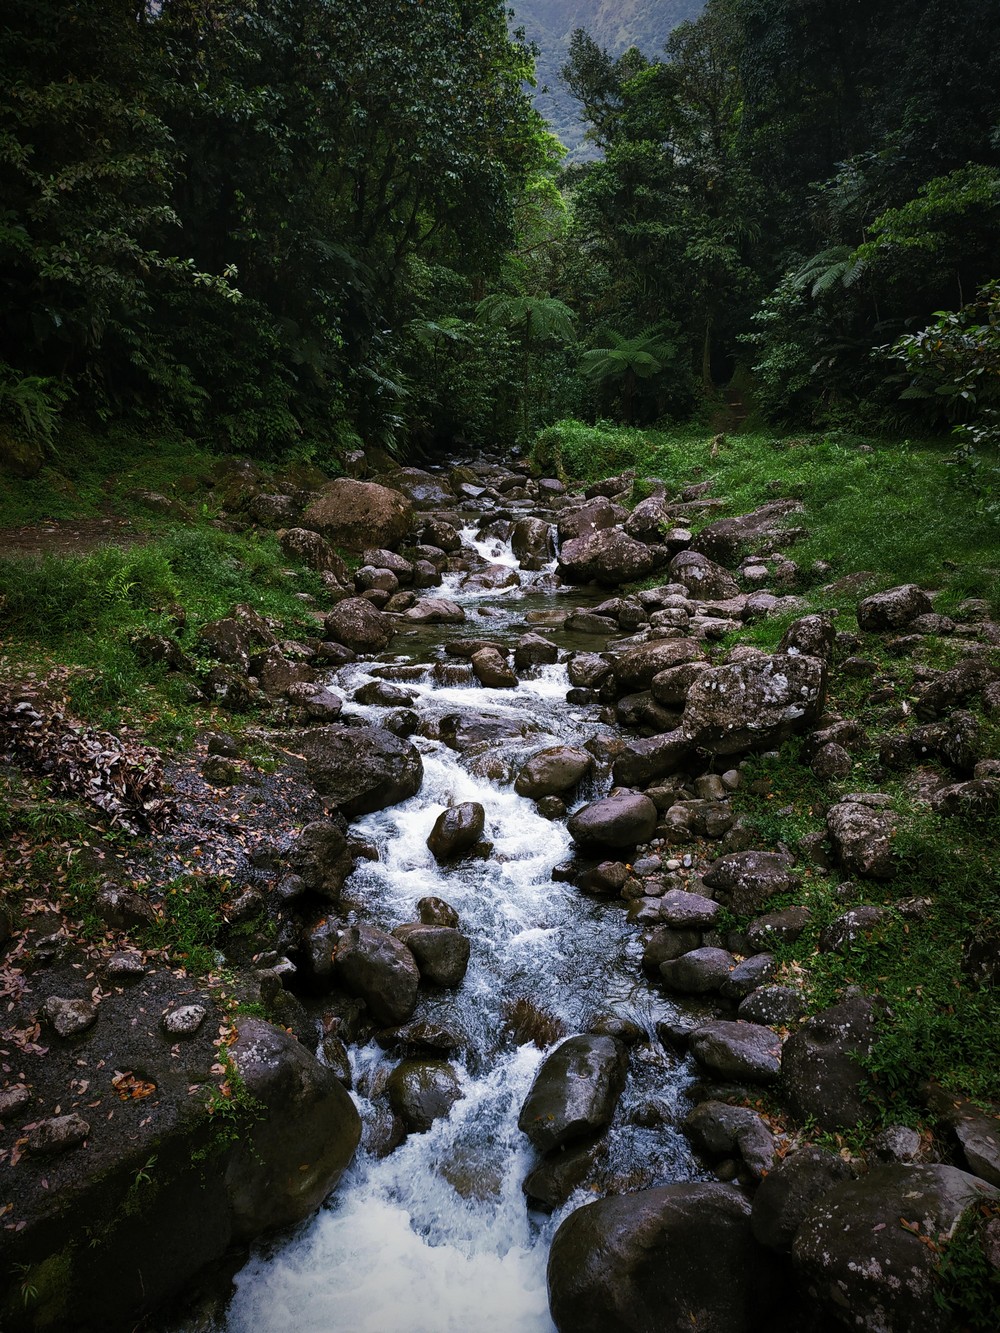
<point>437,1237</point>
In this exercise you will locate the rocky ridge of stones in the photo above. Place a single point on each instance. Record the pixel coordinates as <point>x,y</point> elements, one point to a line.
<point>690,719</point>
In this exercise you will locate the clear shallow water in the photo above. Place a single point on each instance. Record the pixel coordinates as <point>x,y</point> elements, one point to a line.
<point>437,1238</point>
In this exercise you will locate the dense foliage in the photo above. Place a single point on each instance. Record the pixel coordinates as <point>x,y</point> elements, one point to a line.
<point>301,224</point>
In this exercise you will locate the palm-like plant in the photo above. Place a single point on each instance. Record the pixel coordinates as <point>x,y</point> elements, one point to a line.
<point>532,319</point>
<point>841,263</point>
<point>626,361</point>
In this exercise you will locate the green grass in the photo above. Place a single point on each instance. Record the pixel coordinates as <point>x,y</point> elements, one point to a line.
<point>897,508</point>
<point>937,1026</point>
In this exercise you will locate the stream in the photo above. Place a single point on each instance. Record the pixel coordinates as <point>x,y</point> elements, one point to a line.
<point>437,1236</point>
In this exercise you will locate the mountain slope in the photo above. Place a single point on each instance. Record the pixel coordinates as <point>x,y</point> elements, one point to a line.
<point>614,24</point>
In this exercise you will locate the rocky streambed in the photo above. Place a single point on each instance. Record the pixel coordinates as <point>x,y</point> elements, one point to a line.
<point>504,962</point>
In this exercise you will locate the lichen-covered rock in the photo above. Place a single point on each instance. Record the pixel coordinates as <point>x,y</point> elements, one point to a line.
<point>862,1249</point>
<point>608,556</point>
<point>753,704</point>
<point>822,1071</point>
<point>359,514</point>
<point>789,1193</point>
<point>361,768</point>
<point>892,609</point>
<point>745,881</point>
<point>702,577</point>
<point>636,668</point>
<point>575,1091</point>
<point>653,1261</point>
<point>861,832</point>
<point>810,636</point>
<point>311,549</point>
<point>586,519</point>
<point>724,539</point>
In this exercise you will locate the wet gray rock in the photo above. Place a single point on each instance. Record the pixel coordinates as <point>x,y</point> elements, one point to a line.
<point>822,1072</point>
<point>359,625</point>
<point>317,702</point>
<point>700,972</point>
<point>738,1051</point>
<point>712,1126</point>
<point>644,761</point>
<point>441,952</point>
<point>532,538</point>
<point>645,1262</point>
<point>422,1091</point>
<point>852,1243</point>
<point>790,1192</point>
<point>534,650</point>
<point>301,1140</point>
<point>753,704</point>
<point>380,970</point>
<point>491,669</point>
<point>671,687</point>
<point>555,1178</point>
<point>667,942</point>
<point>861,835</point>
<point>681,909</point>
<point>434,611</point>
<point>588,670</point>
<point>623,819</point>
<point>361,768</point>
<point>320,856</point>
<point>745,881</point>
<point>456,831</point>
<point>553,771</point>
<point>893,609</point>
<point>575,1091</point>
<point>748,976</point>
<point>436,912</point>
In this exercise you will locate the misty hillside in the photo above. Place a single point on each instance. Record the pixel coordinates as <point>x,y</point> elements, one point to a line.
<point>614,24</point>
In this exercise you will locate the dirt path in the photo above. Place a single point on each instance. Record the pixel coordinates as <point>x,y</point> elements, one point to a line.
<point>63,537</point>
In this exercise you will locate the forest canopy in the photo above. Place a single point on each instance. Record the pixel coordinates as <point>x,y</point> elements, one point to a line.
<point>313,222</point>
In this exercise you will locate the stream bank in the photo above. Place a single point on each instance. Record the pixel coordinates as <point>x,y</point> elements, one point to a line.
<point>650,924</point>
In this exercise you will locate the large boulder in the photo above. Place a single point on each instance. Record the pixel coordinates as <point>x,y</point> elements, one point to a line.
<point>321,858</point>
<point>311,549</point>
<point>423,489</point>
<point>861,830</point>
<point>822,1074</point>
<point>892,609</point>
<point>663,1260</point>
<point>359,625</point>
<point>456,831</point>
<point>531,539</point>
<point>553,771</point>
<point>361,768</point>
<point>360,514</point>
<point>422,1091</point>
<point>575,1091</point>
<point>702,577</point>
<point>609,556</point>
<point>302,1137</point>
<point>586,519</point>
<point>380,970</point>
<point>745,881</point>
<point>623,819</point>
<point>753,704</point>
<point>636,668</point>
<point>868,1251</point>
<point>642,762</point>
<point>724,539</point>
<point>737,1051</point>
<point>790,1192</point>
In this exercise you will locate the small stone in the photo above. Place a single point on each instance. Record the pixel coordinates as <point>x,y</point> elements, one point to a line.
<point>58,1134</point>
<point>184,1021</point>
<point>125,966</point>
<point>69,1017</point>
<point>13,1100</point>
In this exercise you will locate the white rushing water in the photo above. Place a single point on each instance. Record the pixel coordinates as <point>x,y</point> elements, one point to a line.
<point>436,1237</point>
